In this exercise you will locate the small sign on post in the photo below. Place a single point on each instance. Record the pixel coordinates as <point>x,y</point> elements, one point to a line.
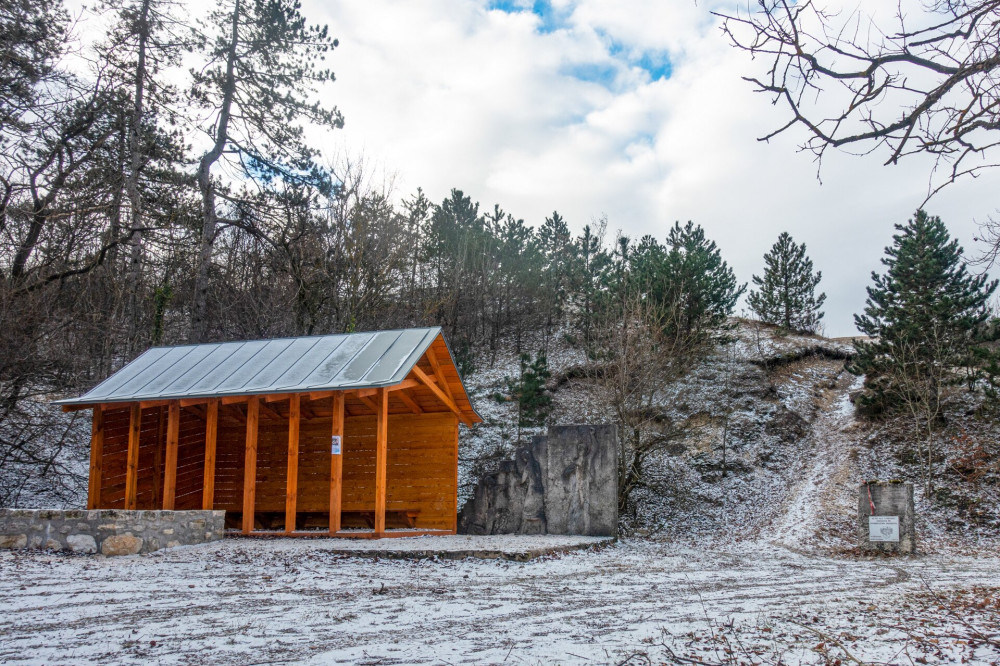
<point>335,445</point>
<point>883,528</point>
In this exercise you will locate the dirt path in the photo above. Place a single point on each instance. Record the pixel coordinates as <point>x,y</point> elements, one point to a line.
<point>813,514</point>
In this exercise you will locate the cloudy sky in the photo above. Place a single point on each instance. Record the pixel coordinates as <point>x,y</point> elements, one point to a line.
<point>632,109</point>
<point>629,109</point>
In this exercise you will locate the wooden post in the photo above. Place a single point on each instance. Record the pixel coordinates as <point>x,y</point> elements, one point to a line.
<point>381,449</point>
<point>250,464</point>
<point>158,457</point>
<point>132,457</point>
<point>96,462</point>
<point>292,484</point>
<point>336,462</point>
<point>211,434</point>
<point>170,464</point>
<point>454,497</point>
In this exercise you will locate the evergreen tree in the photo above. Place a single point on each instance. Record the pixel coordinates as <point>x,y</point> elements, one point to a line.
<point>265,66</point>
<point>787,291</point>
<point>694,288</point>
<point>923,318</point>
<point>533,400</point>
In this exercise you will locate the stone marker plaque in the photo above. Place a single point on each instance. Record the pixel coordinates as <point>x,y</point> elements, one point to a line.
<point>885,517</point>
<point>883,528</point>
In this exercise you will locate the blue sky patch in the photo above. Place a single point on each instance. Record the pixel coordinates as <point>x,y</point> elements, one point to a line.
<point>603,74</point>
<point>656,63</point>
<point>550,20</point>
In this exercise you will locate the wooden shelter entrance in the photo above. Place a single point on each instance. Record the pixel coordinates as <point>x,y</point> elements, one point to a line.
<point>304,445</point>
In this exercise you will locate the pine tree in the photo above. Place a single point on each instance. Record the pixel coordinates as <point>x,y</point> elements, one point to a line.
<point>533,400</point>
<point>787,291</point>
<point>923,318</point>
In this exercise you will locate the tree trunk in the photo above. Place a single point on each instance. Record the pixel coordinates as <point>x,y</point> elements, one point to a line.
<point>199,308</point>
<point>132,179</point>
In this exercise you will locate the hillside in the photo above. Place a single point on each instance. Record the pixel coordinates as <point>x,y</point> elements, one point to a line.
<point>765,445</point>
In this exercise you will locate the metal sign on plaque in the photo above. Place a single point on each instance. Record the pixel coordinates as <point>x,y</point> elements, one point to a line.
<point>335,445</point>
<point>883,528</point>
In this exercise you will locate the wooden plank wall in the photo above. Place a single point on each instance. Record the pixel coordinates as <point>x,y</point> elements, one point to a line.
<point>420,472</point>
<point>152,441</point>
<point>421,466</point>
<point>113,460</point>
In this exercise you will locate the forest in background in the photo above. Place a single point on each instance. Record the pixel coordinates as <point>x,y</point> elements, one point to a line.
<point>161,185</point>
<point>157,187</point>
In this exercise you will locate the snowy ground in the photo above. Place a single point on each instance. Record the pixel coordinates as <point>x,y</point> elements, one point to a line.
<point>754,567</point>
<point>251,602</point>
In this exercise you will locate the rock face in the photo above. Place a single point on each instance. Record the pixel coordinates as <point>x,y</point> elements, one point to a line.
<point>565,482</point>
<point>888,527</point>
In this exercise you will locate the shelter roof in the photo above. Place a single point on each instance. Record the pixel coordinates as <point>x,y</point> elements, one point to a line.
<point>284,365</point>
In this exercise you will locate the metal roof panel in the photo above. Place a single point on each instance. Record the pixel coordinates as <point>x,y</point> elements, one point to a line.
<point>285,365</point>
<point>359,366</point>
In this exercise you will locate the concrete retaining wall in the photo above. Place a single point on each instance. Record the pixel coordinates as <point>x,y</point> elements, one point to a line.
<point>565,482</point>
<point>108,531</point>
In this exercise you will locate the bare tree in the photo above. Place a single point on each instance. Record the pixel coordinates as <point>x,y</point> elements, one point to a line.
<point>918,377</point>
<point>644,351</point>
<point>924,81</point>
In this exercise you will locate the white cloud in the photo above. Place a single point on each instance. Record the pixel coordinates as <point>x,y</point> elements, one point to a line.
<point>450,94</point>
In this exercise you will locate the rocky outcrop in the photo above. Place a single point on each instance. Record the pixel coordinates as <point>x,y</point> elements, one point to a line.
<point>565,482</point>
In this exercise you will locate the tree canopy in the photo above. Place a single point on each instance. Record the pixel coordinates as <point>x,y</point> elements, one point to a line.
<point>786,294</point>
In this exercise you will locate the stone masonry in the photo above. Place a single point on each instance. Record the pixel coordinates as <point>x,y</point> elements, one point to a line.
<point>892,531</point>
<point>108,531</point>
<point>565,482</point>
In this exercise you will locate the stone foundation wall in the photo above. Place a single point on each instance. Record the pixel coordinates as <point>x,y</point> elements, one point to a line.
<point>108,531</point>
<point>565,482</point>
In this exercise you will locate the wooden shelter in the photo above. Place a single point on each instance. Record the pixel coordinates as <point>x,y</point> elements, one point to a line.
<point>353,435</point>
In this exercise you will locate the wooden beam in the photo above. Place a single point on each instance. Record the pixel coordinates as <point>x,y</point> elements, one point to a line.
<point>292,482</point>
<point>422,376</point>
<point>132,457</point>
<point>381,451</point>
<point>198,410</point>
<point>191,402</point>
<point>278,397</point>
<point>454,497</point>
<point>250,463</point>
<point>336,462</point>
<point>236,399</point>
<point>96,460</point>
<point>148,404</point>
<point>363,393</point>
<point>320,395</point>
<point>161,435</point>
<point>170,472</point>
<point>369,403</point>
<point>211,434</point>
<point>409,402</point>
<point>405,384</point>
<point>432,357</point>
<point>268,411</point>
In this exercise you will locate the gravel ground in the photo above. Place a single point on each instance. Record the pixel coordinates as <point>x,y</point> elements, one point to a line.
<point>249,601</point>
